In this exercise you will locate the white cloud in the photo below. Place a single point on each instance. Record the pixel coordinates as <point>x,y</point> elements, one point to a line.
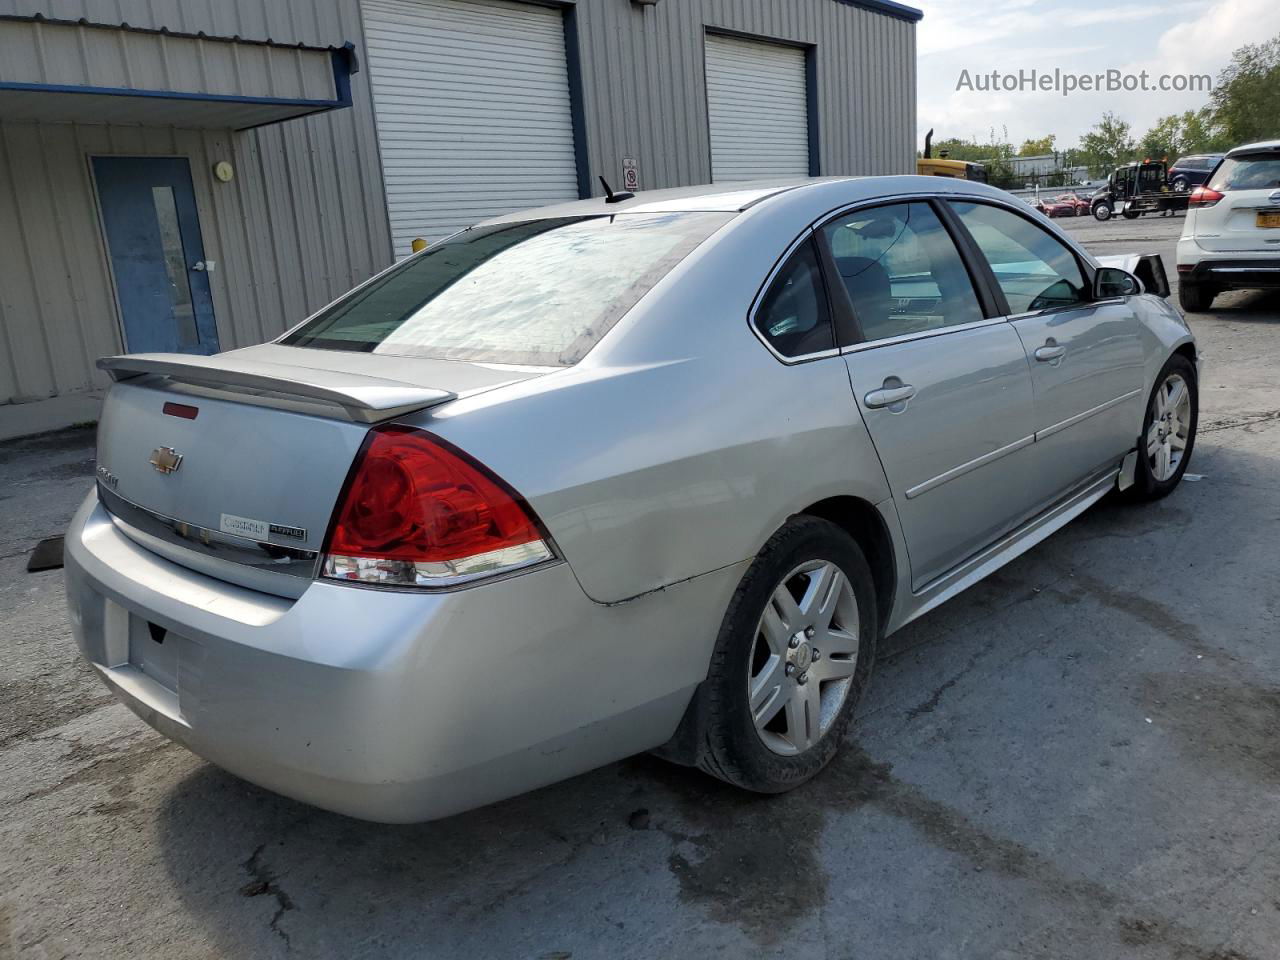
<point>1080,36</point>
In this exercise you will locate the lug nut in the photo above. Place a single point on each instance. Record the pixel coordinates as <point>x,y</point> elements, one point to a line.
<point>793,642</point>
<point>803,678</point>
<point>791,669</point>
<point>809,632</point>
<point>816,653</point>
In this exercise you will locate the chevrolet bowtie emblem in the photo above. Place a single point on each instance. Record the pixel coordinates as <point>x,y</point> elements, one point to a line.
<point>166,459</point>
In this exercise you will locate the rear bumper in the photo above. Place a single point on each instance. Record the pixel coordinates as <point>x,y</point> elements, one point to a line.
<point>385,705</point>
<point>1257,274</point>
<point>1234,269</point>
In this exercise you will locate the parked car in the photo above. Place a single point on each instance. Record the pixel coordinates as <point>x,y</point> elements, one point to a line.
<point>1055,207</point>
<point>608,477</point>
<point>1192,171</point>
<point>1079,205</point>
<point>1231,240</point>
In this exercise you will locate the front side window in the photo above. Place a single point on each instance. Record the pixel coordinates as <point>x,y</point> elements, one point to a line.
<point>902,271</point>
<point>794,316</point>
<point>1035,270</point>
<point>535,292</point>
<point>1260,172</point>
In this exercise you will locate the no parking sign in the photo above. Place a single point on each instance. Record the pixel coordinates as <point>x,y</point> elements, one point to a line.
<point>630,175</point>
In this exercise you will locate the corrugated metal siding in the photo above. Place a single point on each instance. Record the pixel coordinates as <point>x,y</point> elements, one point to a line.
<point>473,111</point>
<point>303,221</point>
<point>645,90</point>
<point>77,55</point>
<point>757,109</point>
<point>306,217</point>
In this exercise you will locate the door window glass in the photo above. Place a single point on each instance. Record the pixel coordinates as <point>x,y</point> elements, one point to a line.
<point>902,271</point>
<point>794,316</point>
<point>1035,270</point>
<point>175,265</point>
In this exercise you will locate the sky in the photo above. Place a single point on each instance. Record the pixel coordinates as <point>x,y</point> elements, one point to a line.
<point>1163,37</point>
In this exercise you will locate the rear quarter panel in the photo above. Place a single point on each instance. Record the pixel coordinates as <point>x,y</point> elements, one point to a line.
<point>680,444</point>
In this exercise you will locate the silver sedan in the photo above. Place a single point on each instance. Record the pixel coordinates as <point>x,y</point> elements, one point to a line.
<point>653,473</point>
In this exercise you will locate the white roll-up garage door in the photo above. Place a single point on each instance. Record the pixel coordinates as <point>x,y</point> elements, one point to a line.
<point>758,107</point>
<point>473,111</point>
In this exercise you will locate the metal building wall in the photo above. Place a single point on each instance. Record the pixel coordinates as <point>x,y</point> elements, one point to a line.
<point>644,89</point>
<point>304,220</point>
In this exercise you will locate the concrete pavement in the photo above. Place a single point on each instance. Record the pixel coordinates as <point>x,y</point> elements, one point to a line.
<point>1077,758</point>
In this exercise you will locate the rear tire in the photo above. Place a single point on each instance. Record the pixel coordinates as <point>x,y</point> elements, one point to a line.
<point>776,704</point>
<point>1195,297</point>
<point>1168,431</point>
<point>1131,215</point>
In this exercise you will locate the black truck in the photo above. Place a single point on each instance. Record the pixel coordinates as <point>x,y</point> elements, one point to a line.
<point>1137,188</point>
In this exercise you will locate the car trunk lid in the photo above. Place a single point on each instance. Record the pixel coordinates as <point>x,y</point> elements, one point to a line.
<point>233,464</point>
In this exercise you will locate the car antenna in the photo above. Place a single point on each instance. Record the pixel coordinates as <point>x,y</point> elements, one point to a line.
<point>611,197</point>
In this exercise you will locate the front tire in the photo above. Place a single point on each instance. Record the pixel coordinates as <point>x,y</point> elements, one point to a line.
<point>1168,431</point>
<point>792,659</point>
<point>1102,212</point>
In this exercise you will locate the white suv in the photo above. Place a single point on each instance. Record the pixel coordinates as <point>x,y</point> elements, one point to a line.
<point>1231,240</point>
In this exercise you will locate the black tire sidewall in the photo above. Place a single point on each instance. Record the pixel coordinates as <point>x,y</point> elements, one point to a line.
<point>1195,297</point>
<point>1099,209</point>
<point>1145,485</point>
<point>732,749</point>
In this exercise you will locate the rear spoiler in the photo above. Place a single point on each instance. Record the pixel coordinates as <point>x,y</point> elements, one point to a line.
<point>1147,267</point>
<point>362,398</point>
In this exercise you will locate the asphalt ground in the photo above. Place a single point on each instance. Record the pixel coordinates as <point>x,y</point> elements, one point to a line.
<point>1075,759</point>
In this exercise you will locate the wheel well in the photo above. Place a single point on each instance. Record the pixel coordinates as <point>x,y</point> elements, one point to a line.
<point>1188,350</point>
<point>863,522</point>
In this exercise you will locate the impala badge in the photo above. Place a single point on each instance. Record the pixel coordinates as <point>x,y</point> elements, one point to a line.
<point>166,459</point>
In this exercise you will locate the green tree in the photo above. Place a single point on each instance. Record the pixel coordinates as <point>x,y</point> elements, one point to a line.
<point>1166,139</point>
<point>1246,99</point>
<point>1037,148</point>
<point>1200,134</point>
<point>1109,144</point>
<point>1179,134</point>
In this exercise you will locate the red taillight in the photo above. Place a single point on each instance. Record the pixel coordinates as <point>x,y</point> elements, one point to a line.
<point>183,410</point>
<point>1205,197</point>
<point>416,511</point>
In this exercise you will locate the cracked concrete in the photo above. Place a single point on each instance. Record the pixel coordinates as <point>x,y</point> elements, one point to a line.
<point>1075,758</point>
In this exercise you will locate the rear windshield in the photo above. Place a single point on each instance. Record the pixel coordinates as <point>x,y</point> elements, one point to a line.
<point>1258,172</point>
<point>535,292</point>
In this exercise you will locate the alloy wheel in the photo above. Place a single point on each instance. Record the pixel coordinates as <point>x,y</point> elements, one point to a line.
<point>804,657</point>
<point>1170,429</point>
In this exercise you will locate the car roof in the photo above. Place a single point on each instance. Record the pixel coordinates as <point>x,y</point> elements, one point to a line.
<point>1264,146</point>
<point>737,197</point>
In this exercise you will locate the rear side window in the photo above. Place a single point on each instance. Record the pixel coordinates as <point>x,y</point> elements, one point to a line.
<point>1258,172</point>
<point>902,271</point>
<point>794,315</point>
<point>536,292</point>
<point>1036,270</point>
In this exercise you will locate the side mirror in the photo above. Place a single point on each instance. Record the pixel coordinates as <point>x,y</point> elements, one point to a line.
<point>1110,282</point>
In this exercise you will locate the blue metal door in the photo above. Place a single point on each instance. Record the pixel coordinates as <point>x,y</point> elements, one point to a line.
<point>157,256</point>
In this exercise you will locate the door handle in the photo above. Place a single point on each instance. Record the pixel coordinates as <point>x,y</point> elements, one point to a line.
<point>1050,352</point>
<point>889,396</point>
<point>199,266</point>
